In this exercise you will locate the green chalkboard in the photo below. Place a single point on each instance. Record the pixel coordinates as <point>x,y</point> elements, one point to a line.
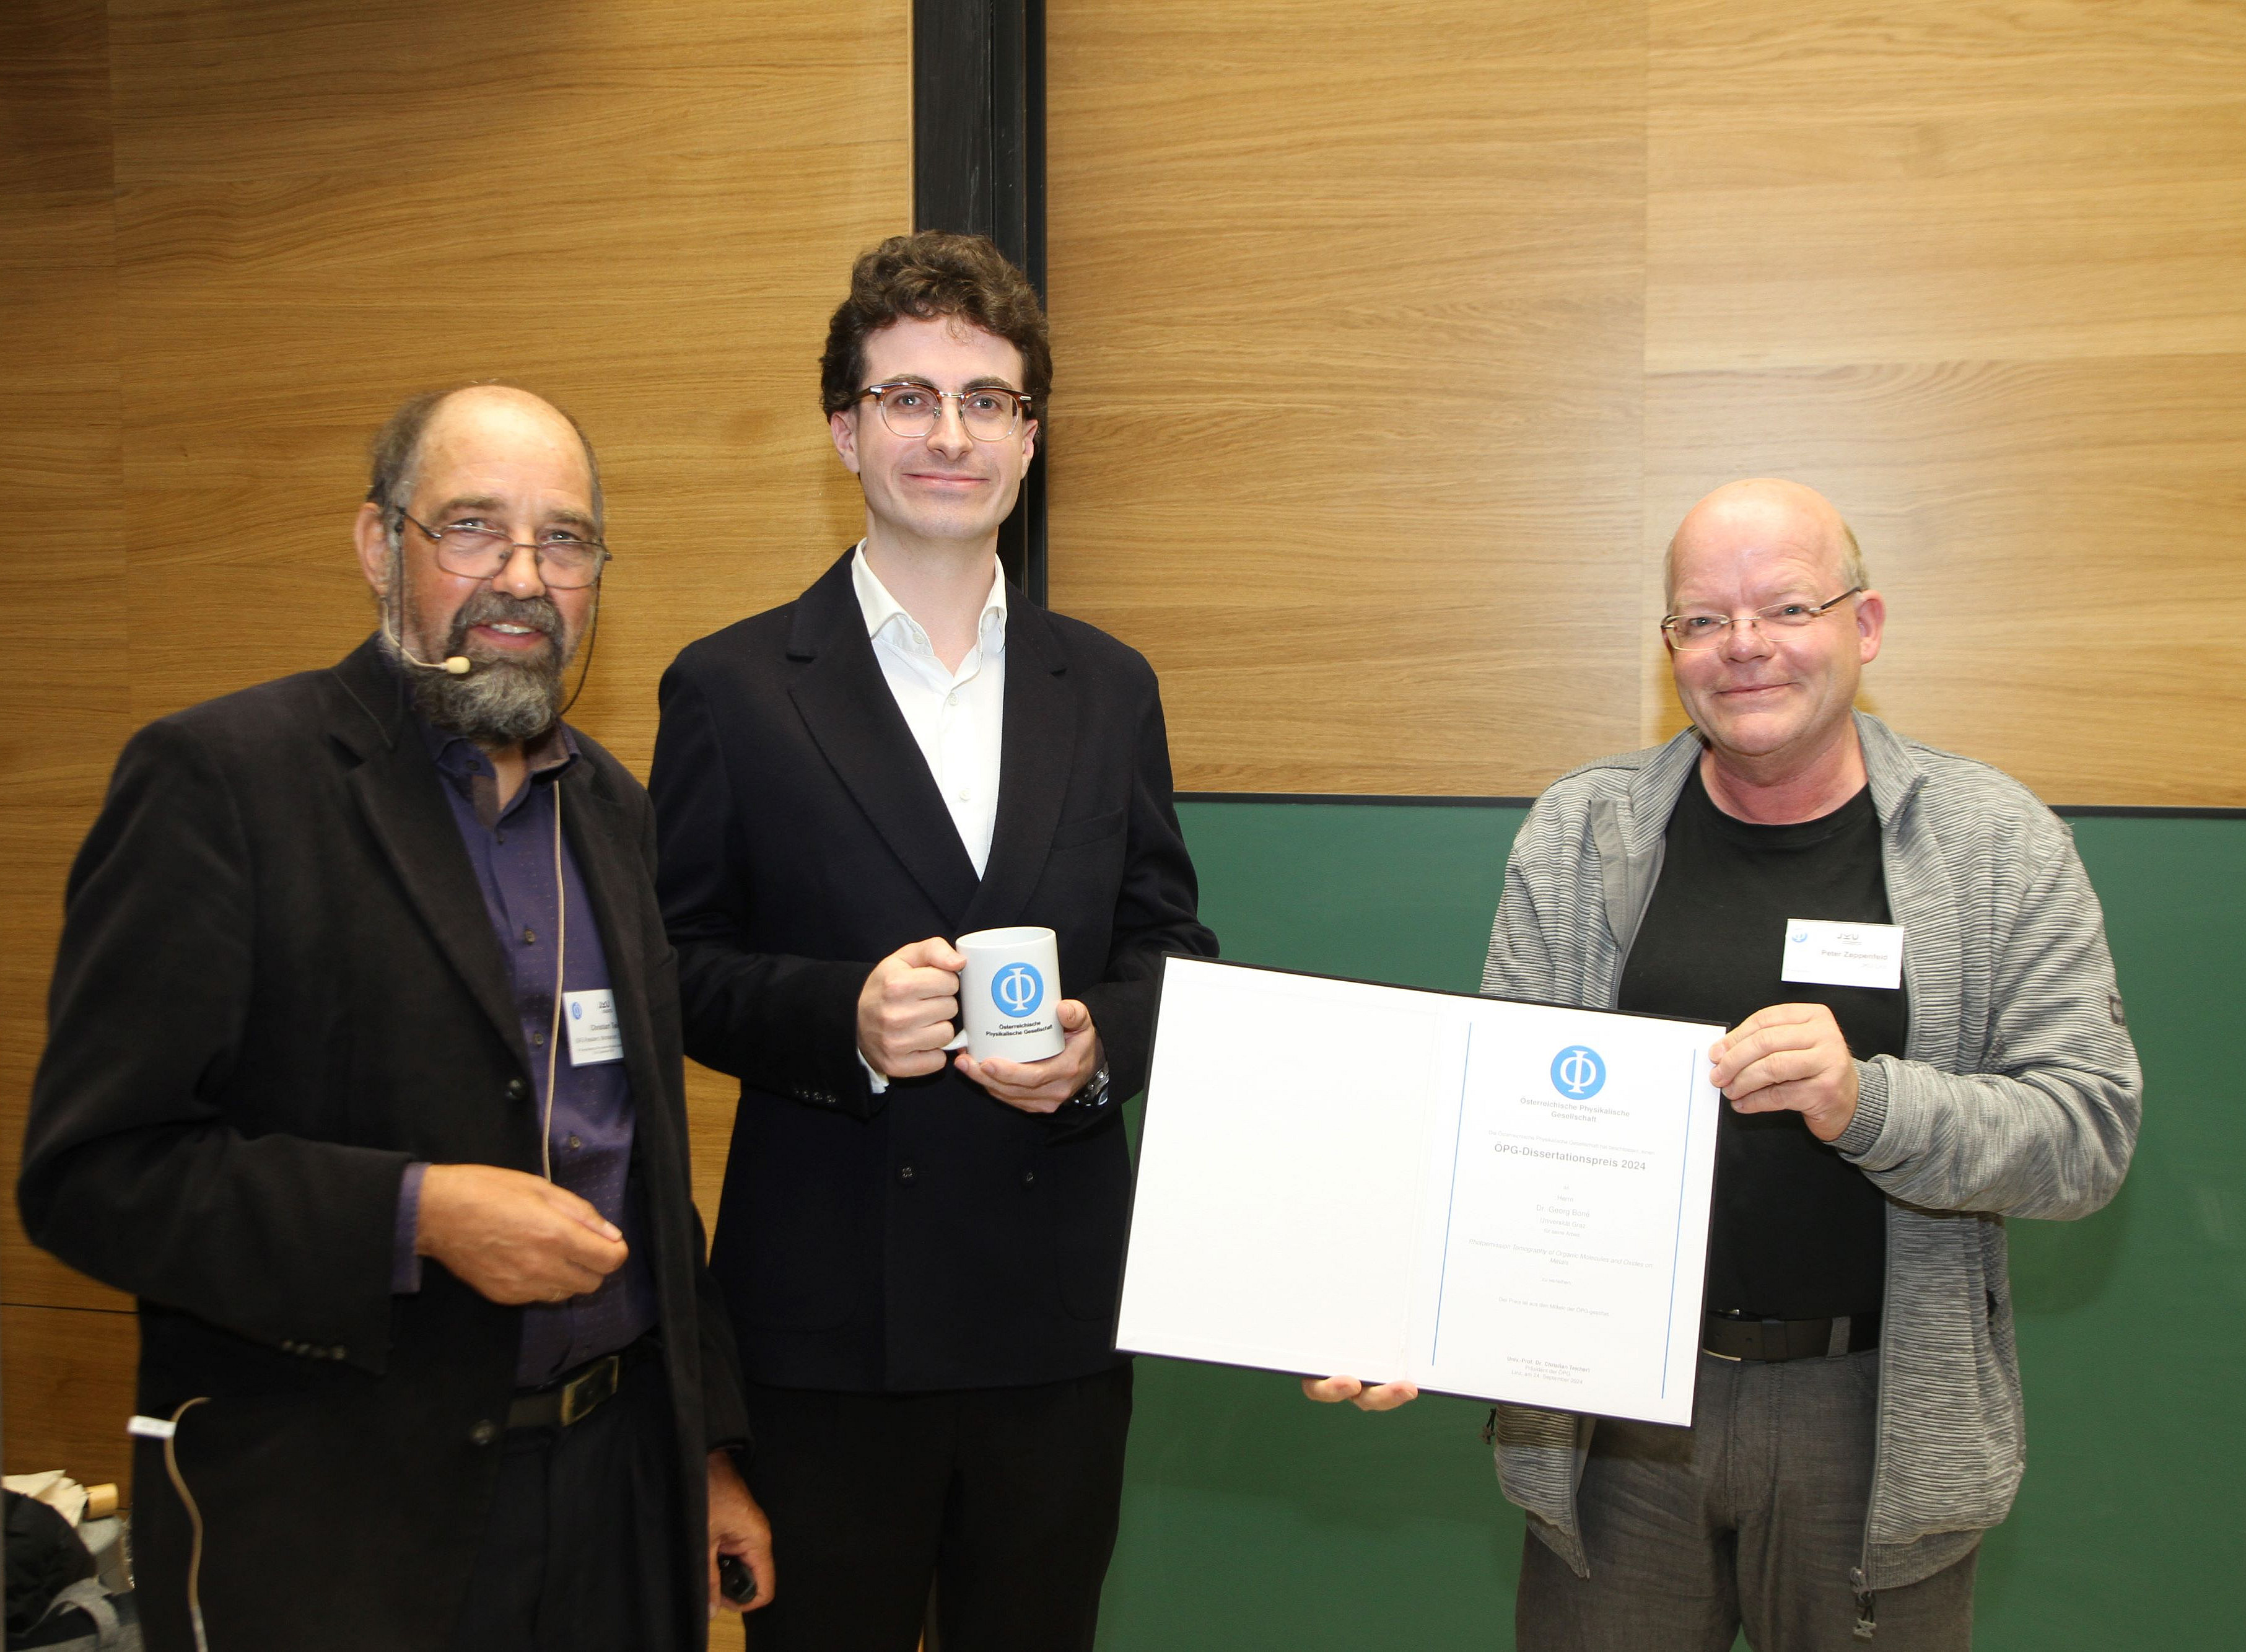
<point>1253,1518</point>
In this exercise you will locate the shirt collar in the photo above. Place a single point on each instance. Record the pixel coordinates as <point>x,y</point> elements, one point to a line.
<point>882,610</point>
<point>468,767</point>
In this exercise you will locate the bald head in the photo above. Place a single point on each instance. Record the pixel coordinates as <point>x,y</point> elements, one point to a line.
<point>1771,512</point>
<point>402,446</point>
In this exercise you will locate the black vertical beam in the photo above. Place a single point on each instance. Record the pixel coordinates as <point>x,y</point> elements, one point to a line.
<point>979,166</point>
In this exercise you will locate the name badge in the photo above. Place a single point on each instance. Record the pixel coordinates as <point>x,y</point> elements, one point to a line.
<point>1842,955</point>
<point>594,1034</point>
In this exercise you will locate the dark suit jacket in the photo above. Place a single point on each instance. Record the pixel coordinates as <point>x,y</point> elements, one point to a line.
<point>930,1237</point>
<point>277,985</point>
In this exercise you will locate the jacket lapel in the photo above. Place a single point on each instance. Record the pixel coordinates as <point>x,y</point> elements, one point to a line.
<point>397,789</point>
<point>840,693</point>
<point>602,841</point>
<point>1036,755</point>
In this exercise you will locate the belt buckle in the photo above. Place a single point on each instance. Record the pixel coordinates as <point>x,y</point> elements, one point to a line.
<point>584,1394</point>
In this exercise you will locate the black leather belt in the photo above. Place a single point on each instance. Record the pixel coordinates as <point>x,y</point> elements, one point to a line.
<point>573,1396</point>
<point>1735,1337</point>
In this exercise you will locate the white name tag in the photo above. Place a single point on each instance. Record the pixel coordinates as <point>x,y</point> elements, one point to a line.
<point>594,1034</point>
<point>1842,955</point>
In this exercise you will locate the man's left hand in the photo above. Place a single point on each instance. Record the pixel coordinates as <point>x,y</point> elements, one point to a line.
<point>737,1527</point>
<point>1789,1057</point>
<point>1040,1086</point>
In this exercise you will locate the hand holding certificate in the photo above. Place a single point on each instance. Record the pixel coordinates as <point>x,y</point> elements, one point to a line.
<point>1501,1200</point>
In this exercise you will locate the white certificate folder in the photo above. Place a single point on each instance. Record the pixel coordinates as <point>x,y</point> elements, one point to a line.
<point>1501,1200</point>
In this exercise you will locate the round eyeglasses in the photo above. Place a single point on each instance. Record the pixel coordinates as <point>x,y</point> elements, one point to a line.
<point>566,561</point>
<point>1689,632</point>
<point>990,414</point>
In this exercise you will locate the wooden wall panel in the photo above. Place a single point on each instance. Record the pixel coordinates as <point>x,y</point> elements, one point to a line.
<point>644,212</point>
<point>1347,308</point>
<point>63,657</point>
<point>68,1373</point>
<point>1978,271</point>
<point>233,233</point>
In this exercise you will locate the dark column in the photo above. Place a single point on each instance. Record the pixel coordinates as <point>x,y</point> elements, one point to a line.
<point>979,166</point>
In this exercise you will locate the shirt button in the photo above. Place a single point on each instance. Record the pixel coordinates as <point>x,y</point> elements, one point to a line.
<point>951,699</point>
<point>574,1143</point>
<point>904,1172</point>
<point>501,836</point>
<point>483,1433</point>
<point>530,937</point>
<point>1029,1177</point>
<point>962,797</point>
<point>516,1089</point>
<point>537,1038</point>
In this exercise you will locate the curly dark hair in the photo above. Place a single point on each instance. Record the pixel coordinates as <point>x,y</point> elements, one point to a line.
<point>934,273</point>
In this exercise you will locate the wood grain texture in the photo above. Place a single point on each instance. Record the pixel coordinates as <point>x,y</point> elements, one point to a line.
<point>1980,273</point>
<point>235,234</point>
<point>68,1378</point>
<point>2053,538</point>
<point>1977,270</point>
<point>645,214</point>
<point>62,617</point>
<point>1346,308</point>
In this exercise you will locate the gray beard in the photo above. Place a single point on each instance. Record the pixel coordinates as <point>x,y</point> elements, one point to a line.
<point>499,703</point>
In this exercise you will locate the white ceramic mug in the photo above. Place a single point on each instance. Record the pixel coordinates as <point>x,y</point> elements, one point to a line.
<point>1010,994</point>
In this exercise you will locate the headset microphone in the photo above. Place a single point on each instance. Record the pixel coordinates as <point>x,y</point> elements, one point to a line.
<point>453,665</point>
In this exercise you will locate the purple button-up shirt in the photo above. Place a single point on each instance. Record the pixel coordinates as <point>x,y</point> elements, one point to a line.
<point>590,1136</point>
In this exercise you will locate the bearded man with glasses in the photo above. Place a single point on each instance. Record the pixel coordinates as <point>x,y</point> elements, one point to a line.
<point>922,1251</point>
<point>1925,1038</point>
<point>363,1076</point>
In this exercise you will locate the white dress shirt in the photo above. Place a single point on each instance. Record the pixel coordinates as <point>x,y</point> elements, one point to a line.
<point>957,718</point>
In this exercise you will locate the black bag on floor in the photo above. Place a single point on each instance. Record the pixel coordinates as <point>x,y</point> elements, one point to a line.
<point>54,1600</point>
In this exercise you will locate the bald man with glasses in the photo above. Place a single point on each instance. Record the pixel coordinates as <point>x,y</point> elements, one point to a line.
<point>1926,1038</point>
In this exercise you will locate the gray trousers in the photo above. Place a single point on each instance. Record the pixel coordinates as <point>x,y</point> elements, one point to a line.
<point>1752,1518</point>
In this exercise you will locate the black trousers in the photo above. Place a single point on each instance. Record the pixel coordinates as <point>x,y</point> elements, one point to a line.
<point>1007,1498</point>
<point>581,1551</point>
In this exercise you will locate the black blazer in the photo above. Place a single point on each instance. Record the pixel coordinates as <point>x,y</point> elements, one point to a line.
<point>277,985</point>
<point>930,1237</point>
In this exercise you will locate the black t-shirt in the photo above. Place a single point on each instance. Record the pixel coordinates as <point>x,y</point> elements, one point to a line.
<point>1796,1231</point>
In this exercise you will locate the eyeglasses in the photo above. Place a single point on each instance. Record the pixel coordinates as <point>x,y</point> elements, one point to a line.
<point>990,414</point>
<point>1688,632</point>
<point>566,561</point>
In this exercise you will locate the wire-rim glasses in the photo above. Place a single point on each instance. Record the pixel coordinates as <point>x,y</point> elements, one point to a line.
<point>1688,633</point>
<point>990,412</point>
<point>566,561</point>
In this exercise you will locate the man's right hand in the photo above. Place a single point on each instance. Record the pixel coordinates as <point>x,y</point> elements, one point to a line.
<point>907,1006</point>
<point>515,1238</point>
<point>1377,1397</point>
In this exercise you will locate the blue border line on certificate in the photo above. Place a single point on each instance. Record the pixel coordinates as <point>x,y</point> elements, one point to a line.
<point>1449,1210</point>
<point>1676,1242</point>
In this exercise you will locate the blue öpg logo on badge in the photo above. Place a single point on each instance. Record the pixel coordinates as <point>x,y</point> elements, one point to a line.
<point>1577,1072</point>
<point>1017,989</point>
<point>576,1012</point>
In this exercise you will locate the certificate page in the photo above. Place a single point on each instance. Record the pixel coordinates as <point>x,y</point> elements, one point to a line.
<point>1499,1200</point>
<point>1282,1170</point>
<point>1569,1268</point>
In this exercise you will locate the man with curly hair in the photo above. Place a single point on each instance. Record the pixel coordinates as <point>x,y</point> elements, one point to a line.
<point>922,1251</point>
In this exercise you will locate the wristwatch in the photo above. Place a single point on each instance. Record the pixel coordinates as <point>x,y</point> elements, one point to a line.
<point>1094,1096</point>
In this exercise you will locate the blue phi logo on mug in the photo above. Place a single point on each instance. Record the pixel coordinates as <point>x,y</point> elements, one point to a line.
<point>1017,989</point>
<point>1577,1072</point>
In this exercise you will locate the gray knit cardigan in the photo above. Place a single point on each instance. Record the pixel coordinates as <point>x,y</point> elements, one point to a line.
<point>2018,1095</point>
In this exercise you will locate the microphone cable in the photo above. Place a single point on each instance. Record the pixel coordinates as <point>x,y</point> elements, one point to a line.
<point>167,1431</point>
